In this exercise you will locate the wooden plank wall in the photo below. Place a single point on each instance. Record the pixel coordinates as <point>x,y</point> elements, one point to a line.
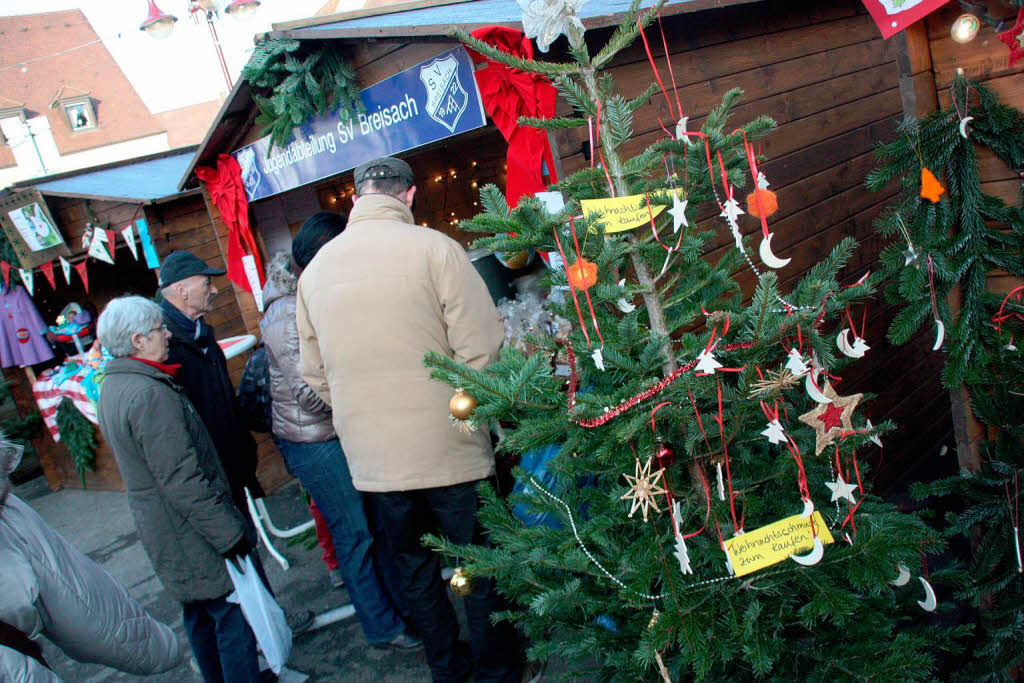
<point>822,71</point>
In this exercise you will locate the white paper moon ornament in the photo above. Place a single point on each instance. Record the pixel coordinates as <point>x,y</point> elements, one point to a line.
<point>904,576</point>
<point>811,385</point>
<point>963,126</point>
<point>940,335</point>
<point>929,603</point>
<point>769,258</point>
<point>813,557</point>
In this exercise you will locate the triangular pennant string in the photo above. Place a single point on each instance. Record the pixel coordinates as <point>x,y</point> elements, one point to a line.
<point>47,269</point>
<point>83,272</point>
<point>65,268</point>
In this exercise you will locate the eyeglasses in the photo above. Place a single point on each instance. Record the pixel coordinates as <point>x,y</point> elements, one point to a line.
<point>158,327</point>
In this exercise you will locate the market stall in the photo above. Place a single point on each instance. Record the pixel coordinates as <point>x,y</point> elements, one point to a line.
<point>115,223</point>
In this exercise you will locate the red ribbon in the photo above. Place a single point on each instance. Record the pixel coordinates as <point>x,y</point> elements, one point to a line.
<point>508,94</point>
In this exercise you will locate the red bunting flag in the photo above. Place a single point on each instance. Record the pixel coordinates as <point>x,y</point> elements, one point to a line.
<point>892,16</point>
<point>47,269</point>
<point>111,241</point>
<point>83,273</point>
<point>6,267</point>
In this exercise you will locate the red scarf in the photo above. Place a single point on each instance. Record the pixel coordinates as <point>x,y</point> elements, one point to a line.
<point>170,368</point>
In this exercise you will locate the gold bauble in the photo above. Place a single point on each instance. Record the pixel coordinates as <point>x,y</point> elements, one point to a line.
<point>461,583</point>
<point>514,260</point>
<point>462,404</point>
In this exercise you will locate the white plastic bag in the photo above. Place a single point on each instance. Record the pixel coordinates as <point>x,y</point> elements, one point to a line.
<point>262,612</point>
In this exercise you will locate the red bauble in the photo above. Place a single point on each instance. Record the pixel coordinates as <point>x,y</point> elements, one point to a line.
<point>664,456</point>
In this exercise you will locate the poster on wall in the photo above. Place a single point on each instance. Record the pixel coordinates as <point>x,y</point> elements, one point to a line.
<point>892,16</point>
<point>30,229</point>
<point>434,100</point>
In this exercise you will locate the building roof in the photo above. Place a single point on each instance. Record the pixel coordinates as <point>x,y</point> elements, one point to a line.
<point>438,17</point>
<point>419,20</point>
<point>42,55</point>
<point>144,180</point>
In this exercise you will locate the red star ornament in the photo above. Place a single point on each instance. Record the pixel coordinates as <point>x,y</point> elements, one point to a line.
<point>1014,38</point>
<point>829,420</point>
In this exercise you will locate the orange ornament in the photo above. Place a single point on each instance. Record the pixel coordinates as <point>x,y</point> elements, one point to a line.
<point>931,188</point>
<point>762,199</point>
<point>582,274</point>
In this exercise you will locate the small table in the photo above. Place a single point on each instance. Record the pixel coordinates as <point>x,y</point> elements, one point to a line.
<point>232,346</point>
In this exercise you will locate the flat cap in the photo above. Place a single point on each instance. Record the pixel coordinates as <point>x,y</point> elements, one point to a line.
<point>384,167</point>
<point>184,264</point>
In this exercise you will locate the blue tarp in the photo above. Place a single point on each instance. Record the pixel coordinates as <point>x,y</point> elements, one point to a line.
<point>143,181</point>
<point>487,11</point>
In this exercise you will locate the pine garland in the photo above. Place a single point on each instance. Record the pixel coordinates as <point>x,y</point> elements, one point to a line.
<point>79,435</point>
<point>968,234</point>
<point>304,79</point>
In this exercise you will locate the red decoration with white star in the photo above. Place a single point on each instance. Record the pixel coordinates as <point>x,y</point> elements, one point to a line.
<point>1014,38</point>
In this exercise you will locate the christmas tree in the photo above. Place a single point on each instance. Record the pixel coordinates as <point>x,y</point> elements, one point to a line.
<point>945,248</point>
<point>693,417</point>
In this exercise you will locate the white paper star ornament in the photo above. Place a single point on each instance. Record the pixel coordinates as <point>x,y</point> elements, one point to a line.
<point>840,489</point>
<point>678,212</point>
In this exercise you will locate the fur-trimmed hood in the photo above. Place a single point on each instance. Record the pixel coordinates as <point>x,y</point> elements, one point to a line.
<point>281,281</point>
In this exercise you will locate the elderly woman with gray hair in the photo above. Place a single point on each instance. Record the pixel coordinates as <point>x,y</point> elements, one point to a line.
<point>179,493</point>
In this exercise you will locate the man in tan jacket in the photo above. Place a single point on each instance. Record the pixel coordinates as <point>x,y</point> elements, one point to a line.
<point>370,305</point>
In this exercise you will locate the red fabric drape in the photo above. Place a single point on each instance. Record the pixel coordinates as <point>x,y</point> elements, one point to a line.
<point>508,94</point>
<point>228,194</point>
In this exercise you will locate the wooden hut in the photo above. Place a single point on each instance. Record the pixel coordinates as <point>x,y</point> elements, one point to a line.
<point>821,70</point>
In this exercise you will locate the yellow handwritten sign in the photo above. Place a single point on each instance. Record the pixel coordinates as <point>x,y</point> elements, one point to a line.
<point>623,213</point>
<point>774,543</point>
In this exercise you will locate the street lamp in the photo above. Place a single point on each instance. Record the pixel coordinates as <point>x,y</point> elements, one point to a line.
<point>160,24</point>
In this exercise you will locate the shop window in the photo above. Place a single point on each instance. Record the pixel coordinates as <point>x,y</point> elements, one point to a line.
<point>79,113</point>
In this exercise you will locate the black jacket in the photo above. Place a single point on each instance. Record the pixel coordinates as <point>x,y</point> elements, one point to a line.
<point>205,379</point>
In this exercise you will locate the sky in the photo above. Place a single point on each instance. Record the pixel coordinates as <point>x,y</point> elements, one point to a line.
<point>183,69</point>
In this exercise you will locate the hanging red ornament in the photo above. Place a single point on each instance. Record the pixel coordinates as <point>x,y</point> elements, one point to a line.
<point>762,199</point>
<point>664,456</point>
<point>931,188</point>
<point>582,274</point>
<point>1014,38</point>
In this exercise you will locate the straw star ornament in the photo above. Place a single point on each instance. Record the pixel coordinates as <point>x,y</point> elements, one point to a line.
<point>644,489</point>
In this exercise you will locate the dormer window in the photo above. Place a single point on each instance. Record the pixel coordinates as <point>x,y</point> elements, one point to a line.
<point>79,113</point>
<point>10,117</point>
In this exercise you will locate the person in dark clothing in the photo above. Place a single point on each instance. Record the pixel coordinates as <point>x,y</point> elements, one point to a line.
<point>188,291</point>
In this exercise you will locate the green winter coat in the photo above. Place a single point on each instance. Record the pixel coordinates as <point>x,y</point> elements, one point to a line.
<point>179,493</point>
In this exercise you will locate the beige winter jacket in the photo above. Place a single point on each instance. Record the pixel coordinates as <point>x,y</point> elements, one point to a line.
<point>370,305</point>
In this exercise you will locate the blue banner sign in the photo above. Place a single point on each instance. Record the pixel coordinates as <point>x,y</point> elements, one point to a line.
<point>431,101</point>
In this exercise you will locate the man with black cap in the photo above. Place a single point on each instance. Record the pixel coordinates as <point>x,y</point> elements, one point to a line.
<point>370,304</point>
<point>188,291</point>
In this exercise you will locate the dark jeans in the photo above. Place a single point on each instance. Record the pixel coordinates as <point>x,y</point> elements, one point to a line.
<point>222,642</point>
<point>323,470</point>
<point>406,516</point>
